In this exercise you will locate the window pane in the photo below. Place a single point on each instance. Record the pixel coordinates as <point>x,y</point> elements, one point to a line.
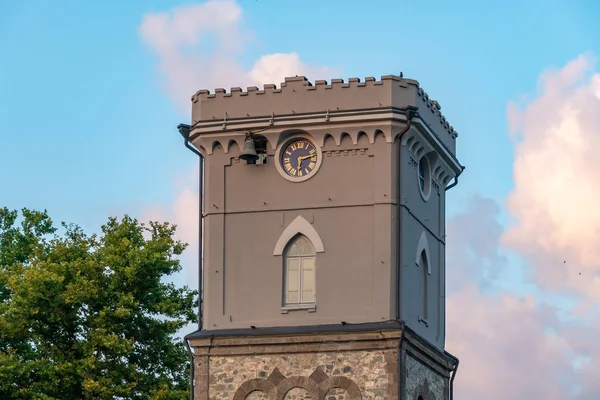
<point>301,246</point>
<point>293,281</point>
<point>308,280</point>
<point>293,250</point>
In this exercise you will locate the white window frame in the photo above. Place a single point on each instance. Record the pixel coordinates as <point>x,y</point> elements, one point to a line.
<point>300,304</point>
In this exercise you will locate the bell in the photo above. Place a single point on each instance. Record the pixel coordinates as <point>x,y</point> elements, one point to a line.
<point>249,153</point>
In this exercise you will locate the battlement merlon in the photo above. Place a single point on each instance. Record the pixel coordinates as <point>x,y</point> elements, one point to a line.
<point>298,96</point>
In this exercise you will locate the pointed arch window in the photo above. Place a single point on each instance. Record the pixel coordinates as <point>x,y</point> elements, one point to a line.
<point>299,272</point>
<point>424,265</point>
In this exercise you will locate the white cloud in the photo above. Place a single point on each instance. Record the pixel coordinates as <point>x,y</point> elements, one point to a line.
<point>273,68</point>
<point>198,47</point>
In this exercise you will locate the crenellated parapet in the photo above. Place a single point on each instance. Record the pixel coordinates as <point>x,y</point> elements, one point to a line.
<point>298,99</point>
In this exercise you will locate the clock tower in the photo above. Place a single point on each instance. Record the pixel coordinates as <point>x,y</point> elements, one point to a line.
<point>323,273</point>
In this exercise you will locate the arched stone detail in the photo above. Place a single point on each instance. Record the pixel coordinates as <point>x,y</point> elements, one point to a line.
<point>252,385</point>
<point>318,384</point>
<point>257,395</point>
<point>302,382</point>
<point>337,394</point>
<point>341,382</point>
<point>297,393</point>
<point>423,245</point>
<point>299,226</point>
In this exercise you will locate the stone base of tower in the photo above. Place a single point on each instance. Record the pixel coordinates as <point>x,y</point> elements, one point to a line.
<point>341,362</point>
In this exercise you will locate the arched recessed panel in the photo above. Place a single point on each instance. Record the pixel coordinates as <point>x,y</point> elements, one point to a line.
<point>423,246</point>
<point>299,226</point>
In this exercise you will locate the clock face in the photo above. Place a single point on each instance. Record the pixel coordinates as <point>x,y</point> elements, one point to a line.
<point>299,158</point>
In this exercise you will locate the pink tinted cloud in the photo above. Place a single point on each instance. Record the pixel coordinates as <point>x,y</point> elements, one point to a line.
<point>184,213</point>
<point>498,338</point>
<point>513,346</point>
<point>503,348</point>
<point>553,206</point>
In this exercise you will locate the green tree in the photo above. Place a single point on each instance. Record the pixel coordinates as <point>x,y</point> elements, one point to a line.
<point>91,316</point>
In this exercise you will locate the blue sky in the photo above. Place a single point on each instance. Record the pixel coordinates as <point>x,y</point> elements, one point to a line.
<point>87,129</point>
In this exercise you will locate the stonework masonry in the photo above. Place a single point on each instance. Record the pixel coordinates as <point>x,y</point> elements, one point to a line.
<point>370,365</point>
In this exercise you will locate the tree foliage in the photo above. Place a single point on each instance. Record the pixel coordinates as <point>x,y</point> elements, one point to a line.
<point>91,316</point>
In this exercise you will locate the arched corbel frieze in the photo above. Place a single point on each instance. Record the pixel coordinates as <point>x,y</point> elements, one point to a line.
<point>272,139</point>
<point>299,226</point>
<point>362,136</point>
<point>232,144</point>
<point>415,143</point>
<point>384,133</point>
<point>327,139</point>
<point>354,136</point>
<point>216,145</point>
<point>223,143</point>
<point>347,138</point>
<point>335,133</point>
<point>418,147</point>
